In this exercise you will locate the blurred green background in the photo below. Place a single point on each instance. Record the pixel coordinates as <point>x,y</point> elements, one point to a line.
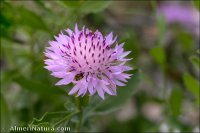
<point>162,95</point>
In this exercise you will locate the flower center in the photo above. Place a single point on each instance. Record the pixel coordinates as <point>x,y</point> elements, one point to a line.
<point>89,52</point>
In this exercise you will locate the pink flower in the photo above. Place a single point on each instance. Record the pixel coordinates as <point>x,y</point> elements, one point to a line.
<point>187,16</point>
<point>89,60</point>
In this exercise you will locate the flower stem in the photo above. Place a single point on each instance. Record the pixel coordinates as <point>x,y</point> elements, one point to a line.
<point>80,121</point>
<point>81,102</point>
<point>65,118</point>
<point>79,107</point>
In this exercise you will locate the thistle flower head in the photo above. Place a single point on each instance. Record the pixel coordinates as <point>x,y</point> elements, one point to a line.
<point>185,15</point>
<point>92,62</point>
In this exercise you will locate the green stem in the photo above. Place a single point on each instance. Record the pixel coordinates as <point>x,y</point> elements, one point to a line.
<point>81,102</point>
<point>79,107</point>
<point>66,117</point>
<point>80,121</point>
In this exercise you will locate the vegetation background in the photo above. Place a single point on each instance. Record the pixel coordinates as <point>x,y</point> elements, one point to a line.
<point>162,95</point>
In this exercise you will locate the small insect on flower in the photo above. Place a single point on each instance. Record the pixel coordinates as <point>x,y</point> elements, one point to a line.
<point>92,62</point>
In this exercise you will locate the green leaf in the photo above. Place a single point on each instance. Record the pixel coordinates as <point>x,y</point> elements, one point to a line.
<point>158,54</point>
<point>5,115</point>
<point>6,20</point>
<point>192,85</point>
<point>198,51</point>
<point>41,4</point>
<point>197,4</point>
<point>93,6</point>
<point>112,103</point>
<point>186,40</point>
<point>195,61</point>
<point>86,7</point>
<point>70,105</point>
<point>5,25</point>
<point>37,86</point>
<point>175,101</point>
<point>53,118</point>
<point>71,4</point>
<point>30,19</point>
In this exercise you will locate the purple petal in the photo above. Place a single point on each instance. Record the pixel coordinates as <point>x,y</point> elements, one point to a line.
<point>83,88</point>
<point>69,32</point>
<point>55,68</point>
<point>124,54</point>
<point>107,90</point>
<point>100,92</point>
<point>74,89</point>
<point>66,80</point>
<point>90,87</point>
<point>76,29</point>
